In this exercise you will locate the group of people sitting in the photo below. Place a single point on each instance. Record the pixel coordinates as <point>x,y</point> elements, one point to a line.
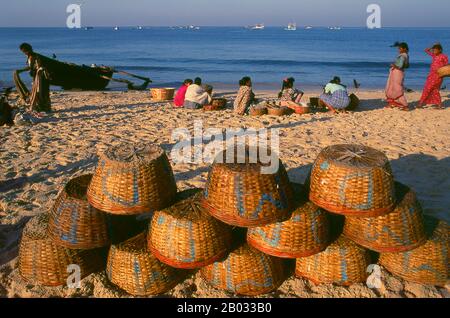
<point>334,98</point>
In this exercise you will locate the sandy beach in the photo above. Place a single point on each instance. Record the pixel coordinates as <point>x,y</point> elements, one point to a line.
<point>36,161</point>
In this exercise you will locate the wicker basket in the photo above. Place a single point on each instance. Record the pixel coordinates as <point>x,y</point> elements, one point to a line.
<point>354,102</point>
<point>162,94</point>
<point>353,180</point>
<point>132,179</point>
<point>279,111</point>
<point>133,268</point>
<point>305,233</point>
<point>342,263</point>
<point>257,111</point>
<point>246,271</point>
<point>444,71</point>
<point>219,103</point>
<point>43,262</point>
<point>427,264</point>
<point>73,222</point>
<point>399,231</point>
<point>314,102</point>
<point>240,194</point>
<point>186,236</point>
<point>301,110</point>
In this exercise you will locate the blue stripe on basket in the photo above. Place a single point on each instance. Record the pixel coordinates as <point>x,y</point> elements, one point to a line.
<point>297,218</point>
<point>215,272</point>
<point>325,165</point>
<point>110,261</point>
<point>229,276</point>
<point>264,198</point>
<point>70,237</point>
<point>154,277</point>
<point>171,234</point>
<point>343,187</point>
<point>344,275</point>
<point>276,234</point>
<point>114,198</point>
<point>406,238</point>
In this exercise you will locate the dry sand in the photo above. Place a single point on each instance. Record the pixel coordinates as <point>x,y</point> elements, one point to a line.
<point>36,161</point>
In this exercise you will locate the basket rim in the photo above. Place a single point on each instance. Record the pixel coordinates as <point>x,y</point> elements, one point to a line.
<point>289,255</point>
<point>137,162</point>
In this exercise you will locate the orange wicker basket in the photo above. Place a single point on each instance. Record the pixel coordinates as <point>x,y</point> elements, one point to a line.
<point>444,71</point>
<point>257,111</point>
<point>342,263</point>
<point>240,194</point>
<point>305,233</point>
<point>353,180</point>
<point>428,264</point>
<point>162,94</point>
<point>43,262</point>
<point>132,179</point>
<point>73,222</point>
<point>246,271</point>
<point>186,236</point>
<point>133,268</point>
<point>399,231</point>
<point>279,111</point>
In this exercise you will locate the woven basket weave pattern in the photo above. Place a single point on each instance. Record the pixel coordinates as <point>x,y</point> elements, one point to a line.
<point>132,267</point>
<point>427,264</point>
<point>353,180</point>
<point>343,263</point>
<point>73,222</point>
<point>44,262</point>
<point>304,234</point>
<point>240,195</point>
<point>135,187</point>
<point>246,271</point>
<point>186,236</point>
<point>400,230</point>
<point>162,94</point>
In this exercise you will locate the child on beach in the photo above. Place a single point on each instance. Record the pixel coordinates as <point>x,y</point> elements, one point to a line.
<point>245,96</point>
<point>181,93</point>
<point>288,93</point>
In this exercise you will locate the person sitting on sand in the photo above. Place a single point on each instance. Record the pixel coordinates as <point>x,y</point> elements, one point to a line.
<point>395,89</point>
<point>39,99</point>
<point>288,94</point>
<point>181,93</point>
<point>431,93</point>
<point>245,96</point>
<point>196,96</point>
<point>335,96</point>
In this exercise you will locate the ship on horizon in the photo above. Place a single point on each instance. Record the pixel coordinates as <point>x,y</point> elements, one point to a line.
<point>258,26</point>
<point>291,27</point>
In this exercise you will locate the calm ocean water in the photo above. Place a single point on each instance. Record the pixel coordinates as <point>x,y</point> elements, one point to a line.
<point>223,55</point>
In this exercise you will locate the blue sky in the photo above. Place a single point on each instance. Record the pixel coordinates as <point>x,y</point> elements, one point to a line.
<point>406,13</point>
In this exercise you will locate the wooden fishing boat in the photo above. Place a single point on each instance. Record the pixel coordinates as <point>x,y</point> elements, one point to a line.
<point>73,76</point>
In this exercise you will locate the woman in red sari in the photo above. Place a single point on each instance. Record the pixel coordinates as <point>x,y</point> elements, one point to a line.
<point>395,89</point>
<point>431,93</point>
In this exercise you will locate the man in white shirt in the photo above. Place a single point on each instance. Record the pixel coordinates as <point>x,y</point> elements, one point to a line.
<point>196,96</point>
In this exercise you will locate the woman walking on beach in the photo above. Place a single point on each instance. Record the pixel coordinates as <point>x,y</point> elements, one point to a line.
<point>39,99</point>
<point>431,93</point>
<point>245,96</point>
<point>395,89</point>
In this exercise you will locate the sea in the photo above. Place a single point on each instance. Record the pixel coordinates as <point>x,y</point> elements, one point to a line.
<point>222,55</point>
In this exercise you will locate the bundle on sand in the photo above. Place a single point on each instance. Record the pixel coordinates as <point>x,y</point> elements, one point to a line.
<point>353,180</point>
<point>132,179</point>
<point>186,236</point>
<point>246,271</point>
<point>42,261</point>
<point>132,267</point>
<point>343,263</point>
<point>428,264</point>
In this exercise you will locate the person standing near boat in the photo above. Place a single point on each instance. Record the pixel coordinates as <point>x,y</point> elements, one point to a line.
<point>39,99</point>
<point>395,89</point>
<point>431,93</point>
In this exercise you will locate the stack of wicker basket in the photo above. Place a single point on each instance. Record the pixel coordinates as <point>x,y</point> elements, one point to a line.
<point>199,229</point>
